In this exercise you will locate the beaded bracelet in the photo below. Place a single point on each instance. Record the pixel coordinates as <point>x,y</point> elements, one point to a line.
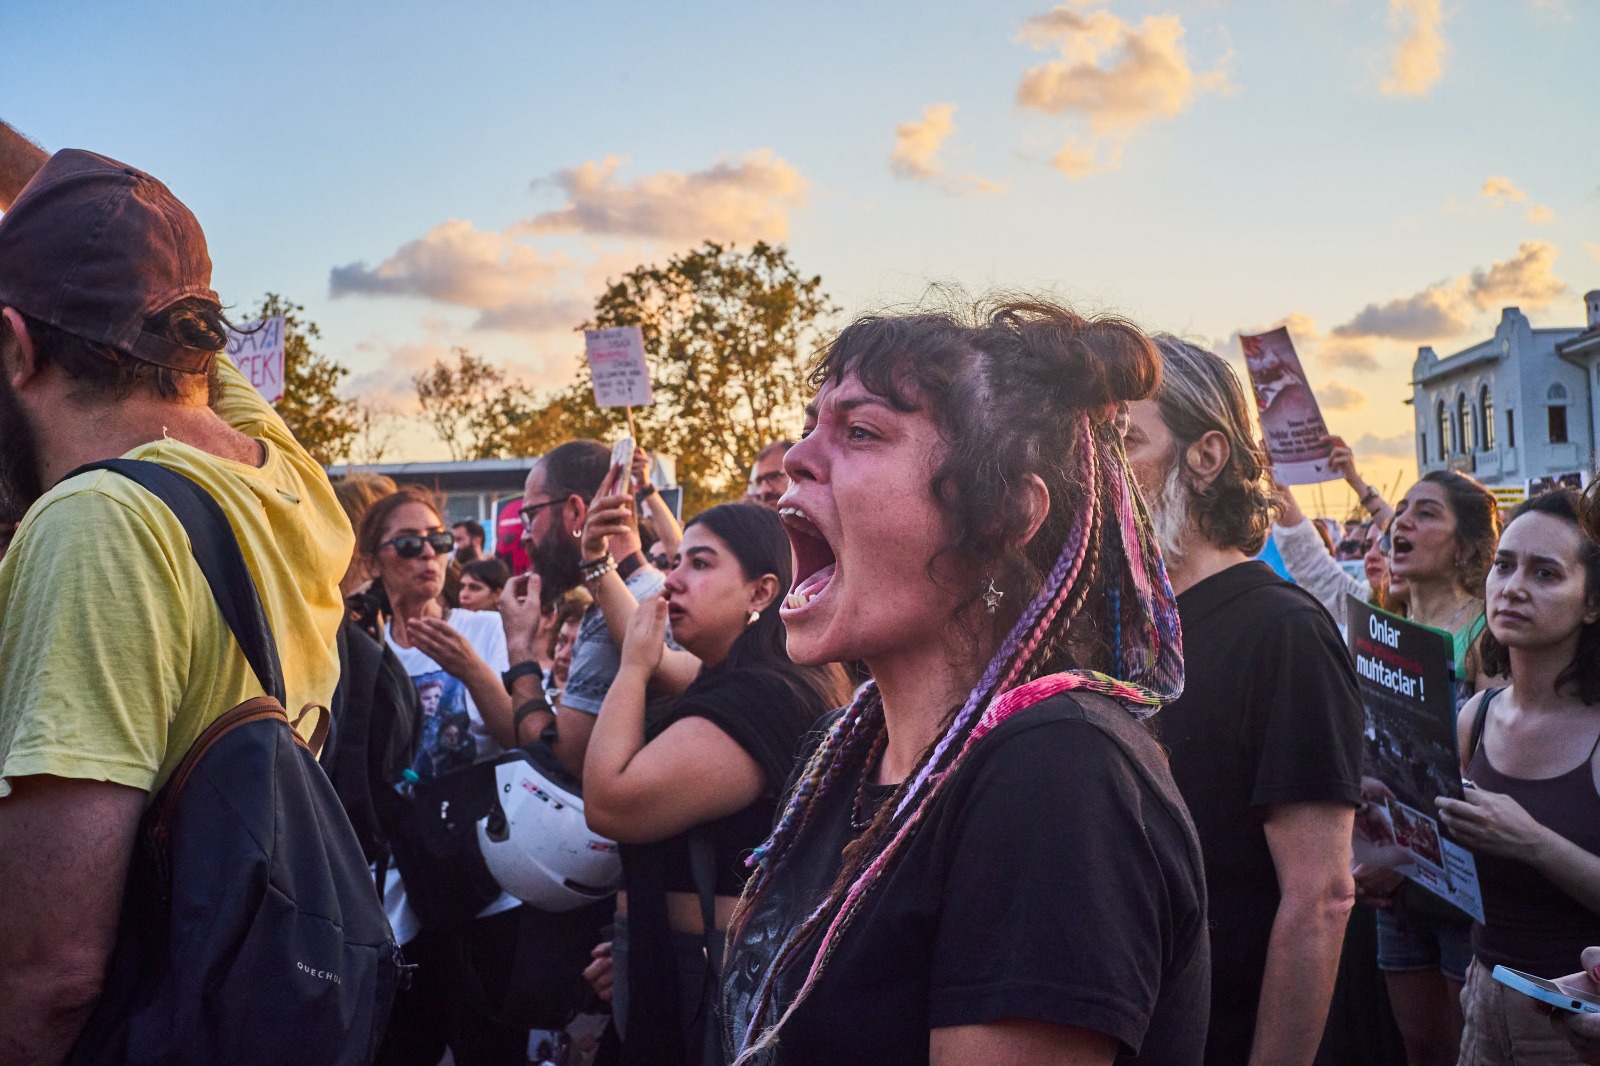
<point>598,568</point>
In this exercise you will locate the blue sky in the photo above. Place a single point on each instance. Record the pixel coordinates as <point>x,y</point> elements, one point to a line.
<point>1286,160</point>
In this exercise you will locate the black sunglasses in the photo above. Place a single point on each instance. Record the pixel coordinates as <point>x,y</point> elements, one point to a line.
<point>409,545</point>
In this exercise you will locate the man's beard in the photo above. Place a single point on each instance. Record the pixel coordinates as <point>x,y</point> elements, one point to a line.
<point>1169,515</point>
<point>558,561</point>
<point>20,486</point>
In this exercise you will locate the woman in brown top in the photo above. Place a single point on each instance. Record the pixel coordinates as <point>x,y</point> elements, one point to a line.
<point>1531,815</point>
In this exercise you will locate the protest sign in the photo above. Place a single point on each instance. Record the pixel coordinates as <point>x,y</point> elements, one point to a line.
<point>1409,753</point>
<point>1291,421</point>
<point>617,367</point>
<point>256,348</point>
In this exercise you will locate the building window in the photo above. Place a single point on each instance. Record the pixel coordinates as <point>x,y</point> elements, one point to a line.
<point>1486,405</point>
<point>1422,449</point>
<point>1444,432</point>
<point>1557,396</point>
<point>1464,427</point>
<point>1558,424</point>
<point>1511,428</point>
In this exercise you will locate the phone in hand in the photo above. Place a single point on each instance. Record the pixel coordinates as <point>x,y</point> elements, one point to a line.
<point>622,457</point>
<point>1559,996</point>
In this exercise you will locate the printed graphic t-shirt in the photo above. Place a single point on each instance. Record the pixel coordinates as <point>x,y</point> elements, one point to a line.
<point>1057,878</point>
<point>113,653</point>
<point>452,735</point>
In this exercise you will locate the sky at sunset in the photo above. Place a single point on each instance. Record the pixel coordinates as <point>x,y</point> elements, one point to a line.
<point>1376,173</point>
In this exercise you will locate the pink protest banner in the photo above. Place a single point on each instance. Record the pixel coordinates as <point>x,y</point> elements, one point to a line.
<point>256,348</point>
<point>1291,421</point>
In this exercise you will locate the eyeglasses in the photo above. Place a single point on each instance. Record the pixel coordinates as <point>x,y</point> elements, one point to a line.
<point>771,478</point>
<point>409,545</point>
<point>527,513</point>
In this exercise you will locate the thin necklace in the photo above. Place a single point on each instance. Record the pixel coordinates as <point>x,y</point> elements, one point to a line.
<point>860,818</point>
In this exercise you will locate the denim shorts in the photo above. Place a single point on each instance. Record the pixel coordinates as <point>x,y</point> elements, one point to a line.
<point>1408,943</point>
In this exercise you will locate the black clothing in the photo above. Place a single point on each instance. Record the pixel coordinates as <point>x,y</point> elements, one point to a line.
<point>1533,924</point>
<point>766,713</point>
<point>1270,714</point>
<point>1056,878</point>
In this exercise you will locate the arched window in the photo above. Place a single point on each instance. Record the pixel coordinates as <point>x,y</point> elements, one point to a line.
<point>1557,397</point>
<point>1486,407</point>
<point>1443,419</point>
<point>1464,428</point>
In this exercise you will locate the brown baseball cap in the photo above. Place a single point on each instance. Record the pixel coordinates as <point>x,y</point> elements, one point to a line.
<point>94,247</point>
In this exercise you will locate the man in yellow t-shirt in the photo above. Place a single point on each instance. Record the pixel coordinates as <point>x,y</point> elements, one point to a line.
<point>113,656</point>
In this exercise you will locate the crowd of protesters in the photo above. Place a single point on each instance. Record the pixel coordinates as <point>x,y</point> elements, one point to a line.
<point>977,731</point>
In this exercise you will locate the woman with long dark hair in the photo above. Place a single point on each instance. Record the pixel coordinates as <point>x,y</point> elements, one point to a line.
<point>985,859</point>
<point>1532,813</point>
<point>690,793</point>
<point>1440,545</point>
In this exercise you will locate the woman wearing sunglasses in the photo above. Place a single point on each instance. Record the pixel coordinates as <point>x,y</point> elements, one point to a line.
<point>455,659</point>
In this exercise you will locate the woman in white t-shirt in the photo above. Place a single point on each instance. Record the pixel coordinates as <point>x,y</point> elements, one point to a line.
<point>455,659</point>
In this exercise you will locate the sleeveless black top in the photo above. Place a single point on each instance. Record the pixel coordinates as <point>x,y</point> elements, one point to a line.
<point>1531,924</point>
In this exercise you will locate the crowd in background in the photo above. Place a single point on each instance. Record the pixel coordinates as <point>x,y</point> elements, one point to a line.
<point>977,731</point>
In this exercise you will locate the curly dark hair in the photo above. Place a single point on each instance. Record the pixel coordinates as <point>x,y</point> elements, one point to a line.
<point>1583,673</point>
<point>1199,394</point>
<point>996,380</point>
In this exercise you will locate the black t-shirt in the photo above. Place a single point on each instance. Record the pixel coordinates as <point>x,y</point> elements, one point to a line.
<point>1056,878</point>
<point>766,714</point>
<point>1270,714</point>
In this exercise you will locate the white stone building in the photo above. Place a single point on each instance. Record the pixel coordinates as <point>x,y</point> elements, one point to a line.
<point>1521,406</point>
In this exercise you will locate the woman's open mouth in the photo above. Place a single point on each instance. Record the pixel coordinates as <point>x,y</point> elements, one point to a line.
<point>814,561</point>
<point>1401,546</point>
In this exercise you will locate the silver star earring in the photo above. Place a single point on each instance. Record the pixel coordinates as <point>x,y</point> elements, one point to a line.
<point>992,597</point>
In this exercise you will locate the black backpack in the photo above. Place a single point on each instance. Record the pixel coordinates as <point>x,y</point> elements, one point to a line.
<point>250,931</point>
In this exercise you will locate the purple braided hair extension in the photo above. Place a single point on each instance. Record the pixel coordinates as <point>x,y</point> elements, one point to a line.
<point>1054,586</point>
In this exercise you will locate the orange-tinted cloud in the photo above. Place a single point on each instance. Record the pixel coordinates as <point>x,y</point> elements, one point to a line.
<point>1449,308</point>
<point>1115,76</point>
<point>917,144</point>
<point>737,200</point>
<point>1502,193</point>
<point>916,153</point>
<point>1417,62</point>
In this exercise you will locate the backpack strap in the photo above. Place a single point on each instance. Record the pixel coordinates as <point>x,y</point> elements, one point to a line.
<point>1481,720</point>
<point>216,549</point>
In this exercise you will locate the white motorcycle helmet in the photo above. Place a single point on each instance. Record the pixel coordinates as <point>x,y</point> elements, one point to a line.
<point>536,842</point>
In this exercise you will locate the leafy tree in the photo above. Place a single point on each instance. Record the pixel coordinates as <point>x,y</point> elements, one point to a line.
<point>728,334</point>
<point>324,422</point>
<point>472,405</point>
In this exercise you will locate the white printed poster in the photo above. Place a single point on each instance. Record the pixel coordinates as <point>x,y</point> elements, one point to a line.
<point>617,367</point>
<point>1291,421</point>
<point>256,348</point>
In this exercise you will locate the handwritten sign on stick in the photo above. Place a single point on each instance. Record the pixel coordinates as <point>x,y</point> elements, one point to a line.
<point>1291,421</point>
<point>256,348</point>
<point>617,366</point>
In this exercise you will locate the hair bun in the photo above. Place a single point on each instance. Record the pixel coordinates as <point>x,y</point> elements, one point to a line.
<point>1079,362</point>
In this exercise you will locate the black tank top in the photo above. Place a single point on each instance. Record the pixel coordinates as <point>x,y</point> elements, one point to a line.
<point>1532,925</point>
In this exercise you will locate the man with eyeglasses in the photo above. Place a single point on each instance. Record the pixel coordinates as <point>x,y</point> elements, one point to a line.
<point>768,482</point>
<point>556,501</point>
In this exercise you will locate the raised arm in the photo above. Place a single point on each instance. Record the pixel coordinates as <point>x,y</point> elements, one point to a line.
<point>20,160</point>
